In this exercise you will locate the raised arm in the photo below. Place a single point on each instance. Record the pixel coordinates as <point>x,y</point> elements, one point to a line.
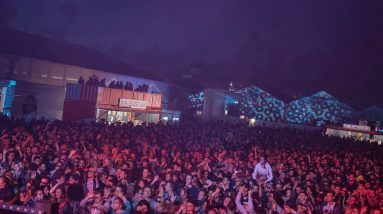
<point>240,208</point>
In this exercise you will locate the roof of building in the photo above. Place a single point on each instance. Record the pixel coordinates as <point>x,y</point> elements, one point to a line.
<point>34,46</point>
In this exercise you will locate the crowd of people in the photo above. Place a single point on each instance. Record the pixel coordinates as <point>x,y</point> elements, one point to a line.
<point>189,167</point>
<point>94,81</point>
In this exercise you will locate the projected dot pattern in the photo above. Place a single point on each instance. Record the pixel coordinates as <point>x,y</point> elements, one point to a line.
<point>258,104</point>
<point>196,100</point>
<point>319,106</point>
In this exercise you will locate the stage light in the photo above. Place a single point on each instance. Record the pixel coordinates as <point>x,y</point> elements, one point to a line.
<point>252,122</point>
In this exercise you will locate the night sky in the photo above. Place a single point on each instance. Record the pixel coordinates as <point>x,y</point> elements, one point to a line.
<point>289,48</point>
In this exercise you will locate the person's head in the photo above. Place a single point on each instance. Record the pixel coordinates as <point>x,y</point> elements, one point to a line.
<point>213,211</point>
<point>188,179</point>
<point>367,185</point>
<point>189,206</point>
<point>336,190</point>
<point>184,193</point>
<point>143,207</point>
<point>289,207</point>
<point>301,208</point>
<point>35,150</point>
<point>28,150</point>
<point>227,201</point>
<point>169,187</point>
<point>226,181</point>
<point>160,207</point>
<point>168,177</point>
<point>42,168</point>
<point>338,179</point>
<point>44,181</point>
<point>352,210</point>
<point>351,178</point>
<point>329,197</point>
<point>139,193</point>
<point>98,193</point>
<point>288,192</point>
<point>262,160</point>
<point>111,181</point>
<point>343,191</point>
<point>17,167</point>
<point>92,173</point>
<point>59,193</point>
<point>11,156</point>
<point>145,163</point>
<point>107,163</point>
<point>201,195</point>
<point>145,173</point>
<point>353,201</point>
<point>119,191</point>
<point>81,163</point>
<point>302,197</point>
<point>147,192</point>
<point>37,159</point>
<point>121,174</point>
<point>74,179</point>
<point>118,204</point>
<point>39,195</point>
<point>107,192</point>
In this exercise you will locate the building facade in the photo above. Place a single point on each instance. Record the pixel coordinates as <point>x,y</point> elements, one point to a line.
<point>41,84</point>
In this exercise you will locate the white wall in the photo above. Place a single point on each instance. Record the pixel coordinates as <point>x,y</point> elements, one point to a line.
<point>49,98</point>
<point>45,72</point>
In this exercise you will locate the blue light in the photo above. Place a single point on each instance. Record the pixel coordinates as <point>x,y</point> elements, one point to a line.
<point>254,102</point>
<point>260,104</point>
<point>319,106</point>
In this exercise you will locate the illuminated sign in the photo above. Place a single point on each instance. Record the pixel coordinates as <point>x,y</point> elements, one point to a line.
<point>356,127</point>
<point>136,104</point>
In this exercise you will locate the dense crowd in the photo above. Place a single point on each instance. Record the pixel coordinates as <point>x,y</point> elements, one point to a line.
<point>188,167</point>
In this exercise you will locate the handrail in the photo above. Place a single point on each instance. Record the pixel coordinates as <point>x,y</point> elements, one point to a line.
<point>11,208</point>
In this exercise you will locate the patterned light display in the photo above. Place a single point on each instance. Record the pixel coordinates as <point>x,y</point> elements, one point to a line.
<point>256,103</point>
<point>317,107</point>
<point>196,100</point>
